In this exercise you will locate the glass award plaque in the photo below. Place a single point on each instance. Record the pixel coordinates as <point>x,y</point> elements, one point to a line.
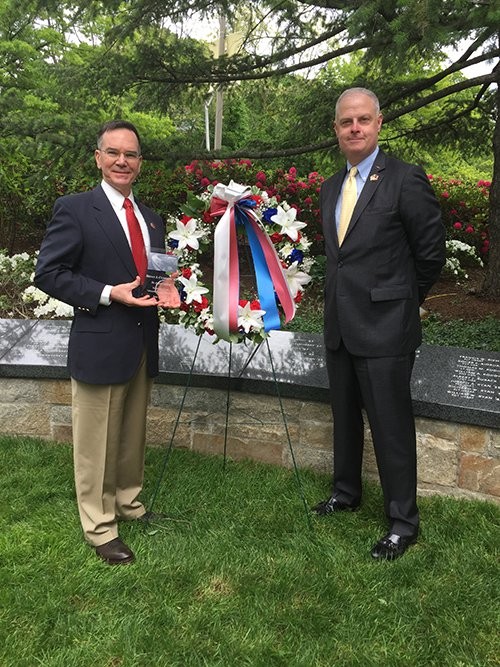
<point>159,280</point>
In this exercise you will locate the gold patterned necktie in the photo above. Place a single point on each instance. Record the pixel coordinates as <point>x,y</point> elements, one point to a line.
<point>349,197</point>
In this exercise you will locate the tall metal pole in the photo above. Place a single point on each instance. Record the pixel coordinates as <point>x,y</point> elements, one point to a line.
<point>206,104</point>
<point>219,102</point>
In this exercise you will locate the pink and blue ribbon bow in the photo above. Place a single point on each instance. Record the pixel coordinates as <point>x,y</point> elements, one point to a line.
<point>233,204</point>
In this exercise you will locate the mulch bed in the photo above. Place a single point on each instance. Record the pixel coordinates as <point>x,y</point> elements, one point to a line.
<point>462,301</point>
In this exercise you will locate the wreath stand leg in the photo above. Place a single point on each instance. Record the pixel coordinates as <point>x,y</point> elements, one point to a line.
<point>169,448</point>
<point>228,404</point>
<point>295,468</point>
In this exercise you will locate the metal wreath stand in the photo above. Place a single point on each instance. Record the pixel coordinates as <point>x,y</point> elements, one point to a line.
<point>168,450</point>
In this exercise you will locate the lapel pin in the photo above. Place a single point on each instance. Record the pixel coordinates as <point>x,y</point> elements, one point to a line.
<point>152,225</point>
<point>374,177</point>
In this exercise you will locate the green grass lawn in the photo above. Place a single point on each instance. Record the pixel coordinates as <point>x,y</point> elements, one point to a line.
<point>236,577</point>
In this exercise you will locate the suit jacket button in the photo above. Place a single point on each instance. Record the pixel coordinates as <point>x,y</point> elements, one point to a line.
<point>139,324</point>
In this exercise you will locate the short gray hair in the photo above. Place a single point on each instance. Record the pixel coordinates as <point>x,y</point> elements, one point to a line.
<point>358,91</point>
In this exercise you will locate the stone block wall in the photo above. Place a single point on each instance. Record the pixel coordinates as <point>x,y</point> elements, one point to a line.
<point>454,459</point>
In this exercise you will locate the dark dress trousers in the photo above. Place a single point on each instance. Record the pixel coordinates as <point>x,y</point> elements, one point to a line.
<point>392,253</point>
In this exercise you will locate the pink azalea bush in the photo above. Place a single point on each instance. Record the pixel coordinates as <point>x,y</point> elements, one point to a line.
<point>465,211</point>
<point>464,204</point>
<point>300,192</point>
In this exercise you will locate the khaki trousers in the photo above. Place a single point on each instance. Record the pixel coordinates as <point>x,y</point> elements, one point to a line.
<point>109,438</point>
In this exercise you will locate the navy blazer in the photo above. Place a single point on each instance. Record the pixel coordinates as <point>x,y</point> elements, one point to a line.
<point>391,256</point>
<point>84,249</point>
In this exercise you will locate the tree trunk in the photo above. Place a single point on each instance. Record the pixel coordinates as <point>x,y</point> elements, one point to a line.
<point>491,285</point>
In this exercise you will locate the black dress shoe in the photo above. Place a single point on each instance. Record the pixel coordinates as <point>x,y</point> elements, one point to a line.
<point>332,505</point>
<point>392,546</point>
<point>115,552</point>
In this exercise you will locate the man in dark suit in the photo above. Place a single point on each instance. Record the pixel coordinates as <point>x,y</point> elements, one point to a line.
<point>382,258</point>
<point>88,259</point>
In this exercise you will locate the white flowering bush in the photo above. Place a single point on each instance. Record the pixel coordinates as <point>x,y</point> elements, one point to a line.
<point>460,256</point>
<point>45,306</point>
<point>15,275</point>
<point>19,298</point>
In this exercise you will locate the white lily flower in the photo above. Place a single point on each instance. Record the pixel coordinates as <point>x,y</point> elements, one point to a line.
<point>296,279</point>
<point>250,319</point>
<point>286,220</point>
<point>187,234</point>
<point>192,289</point>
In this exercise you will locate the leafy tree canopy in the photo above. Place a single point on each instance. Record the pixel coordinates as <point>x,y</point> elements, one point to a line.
<point>67,66</point>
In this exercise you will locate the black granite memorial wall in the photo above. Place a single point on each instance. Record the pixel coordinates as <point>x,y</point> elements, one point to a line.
<point>448,383</point>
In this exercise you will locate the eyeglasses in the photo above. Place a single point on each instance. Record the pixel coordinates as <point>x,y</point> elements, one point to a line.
<point>114,154</point>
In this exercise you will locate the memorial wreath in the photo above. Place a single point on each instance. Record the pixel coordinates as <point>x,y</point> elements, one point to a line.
<point>213,225</point>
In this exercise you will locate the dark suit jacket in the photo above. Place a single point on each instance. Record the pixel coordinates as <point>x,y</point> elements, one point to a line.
<point>392,254</point>
<point>84,249</point>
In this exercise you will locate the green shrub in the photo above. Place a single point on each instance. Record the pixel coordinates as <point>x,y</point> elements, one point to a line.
<point>465,206</point>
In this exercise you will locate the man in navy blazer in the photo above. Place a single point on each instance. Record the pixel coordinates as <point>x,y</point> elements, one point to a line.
<point>377,276</point>
<point>86,261</point>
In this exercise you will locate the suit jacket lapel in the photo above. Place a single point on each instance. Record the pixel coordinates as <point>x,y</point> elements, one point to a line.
<point>110,225</point>
<point>372,182</point>
<point>331,196</point>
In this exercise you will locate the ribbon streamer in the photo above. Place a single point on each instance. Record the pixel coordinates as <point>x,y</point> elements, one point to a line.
<point>229,201</point>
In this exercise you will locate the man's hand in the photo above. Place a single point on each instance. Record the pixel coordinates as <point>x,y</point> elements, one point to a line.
<point>123,294</point>
<point>167,293</point>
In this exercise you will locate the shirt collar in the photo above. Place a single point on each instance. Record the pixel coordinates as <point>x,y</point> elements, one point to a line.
<point>115,197</point>
<point>365,166</point>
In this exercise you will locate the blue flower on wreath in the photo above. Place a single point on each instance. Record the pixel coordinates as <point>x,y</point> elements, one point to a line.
<point>268,213</point>
<point>172,243</point>
<point>296,256</point>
